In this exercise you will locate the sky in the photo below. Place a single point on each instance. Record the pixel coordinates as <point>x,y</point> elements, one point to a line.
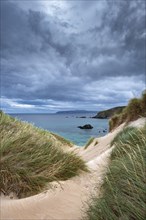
<point>66,55</point>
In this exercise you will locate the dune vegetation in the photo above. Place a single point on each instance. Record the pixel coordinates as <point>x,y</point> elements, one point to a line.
<point>62,140</point>
<point>89,142</point>
<point>32,157</point>
<point>123,193</point>
<point>136,108</point>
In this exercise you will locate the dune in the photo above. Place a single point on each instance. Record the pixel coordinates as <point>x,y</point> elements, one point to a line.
<point>67,199</point>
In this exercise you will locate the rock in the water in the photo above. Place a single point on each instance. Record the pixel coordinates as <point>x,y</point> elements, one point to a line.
<point>87,126</point>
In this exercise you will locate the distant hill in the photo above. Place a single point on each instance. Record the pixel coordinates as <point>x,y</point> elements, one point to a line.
<point>75,112</point>
<point>109,112</point>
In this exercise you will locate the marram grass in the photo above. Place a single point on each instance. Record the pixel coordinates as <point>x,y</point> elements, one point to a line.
<point>62,140</point>
<point>31,158</point>
<point>136,108</point>
<point>124,188</point>
<point>89,142</point>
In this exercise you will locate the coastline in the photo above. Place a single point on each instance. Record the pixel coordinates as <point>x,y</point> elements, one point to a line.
<point>67,127</point>
<point>67,199</point>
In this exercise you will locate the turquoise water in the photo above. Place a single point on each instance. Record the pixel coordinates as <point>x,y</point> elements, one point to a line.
<point>66,125</point>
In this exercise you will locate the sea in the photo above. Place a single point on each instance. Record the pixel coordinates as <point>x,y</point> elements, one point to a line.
<point>66,125</point>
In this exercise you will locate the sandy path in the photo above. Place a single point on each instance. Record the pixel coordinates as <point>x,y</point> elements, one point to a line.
<point>68,199</point>
<point>65,202</point>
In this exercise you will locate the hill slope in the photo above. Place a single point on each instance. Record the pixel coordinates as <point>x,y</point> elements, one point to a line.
<point>123,189</point>
<point>109,112</point>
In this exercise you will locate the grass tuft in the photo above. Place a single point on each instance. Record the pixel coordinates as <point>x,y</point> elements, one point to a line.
<point>63,140</point>
<point>136,108</point>
<point>31,157</point>
<point>124,191</point>
<point>89,142</point>
<point>96,142</point>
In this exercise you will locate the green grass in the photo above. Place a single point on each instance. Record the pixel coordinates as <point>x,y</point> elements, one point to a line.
<point>124,136</point>
<point>96,142</point>
<point>63,140</point>
<point>31,157</point>
<point>89,142</point>
<point>136,108</point>
<point>124,188</point>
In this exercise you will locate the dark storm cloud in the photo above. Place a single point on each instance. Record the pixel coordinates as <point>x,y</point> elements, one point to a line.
<point>74,52</point>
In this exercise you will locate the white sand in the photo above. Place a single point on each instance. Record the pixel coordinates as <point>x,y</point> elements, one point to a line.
<point>68,198</point>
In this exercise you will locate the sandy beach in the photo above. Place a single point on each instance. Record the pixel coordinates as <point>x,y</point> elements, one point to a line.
<point>67,199</point>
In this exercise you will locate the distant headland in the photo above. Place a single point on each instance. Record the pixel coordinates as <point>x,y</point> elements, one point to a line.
<point>75,112</point>
<point>109,112</point>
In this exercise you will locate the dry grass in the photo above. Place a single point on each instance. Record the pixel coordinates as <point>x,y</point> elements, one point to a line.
<point>31,157</point>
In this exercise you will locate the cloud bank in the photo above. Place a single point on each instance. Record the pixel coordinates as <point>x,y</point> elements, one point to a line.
<point>62,55</point>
